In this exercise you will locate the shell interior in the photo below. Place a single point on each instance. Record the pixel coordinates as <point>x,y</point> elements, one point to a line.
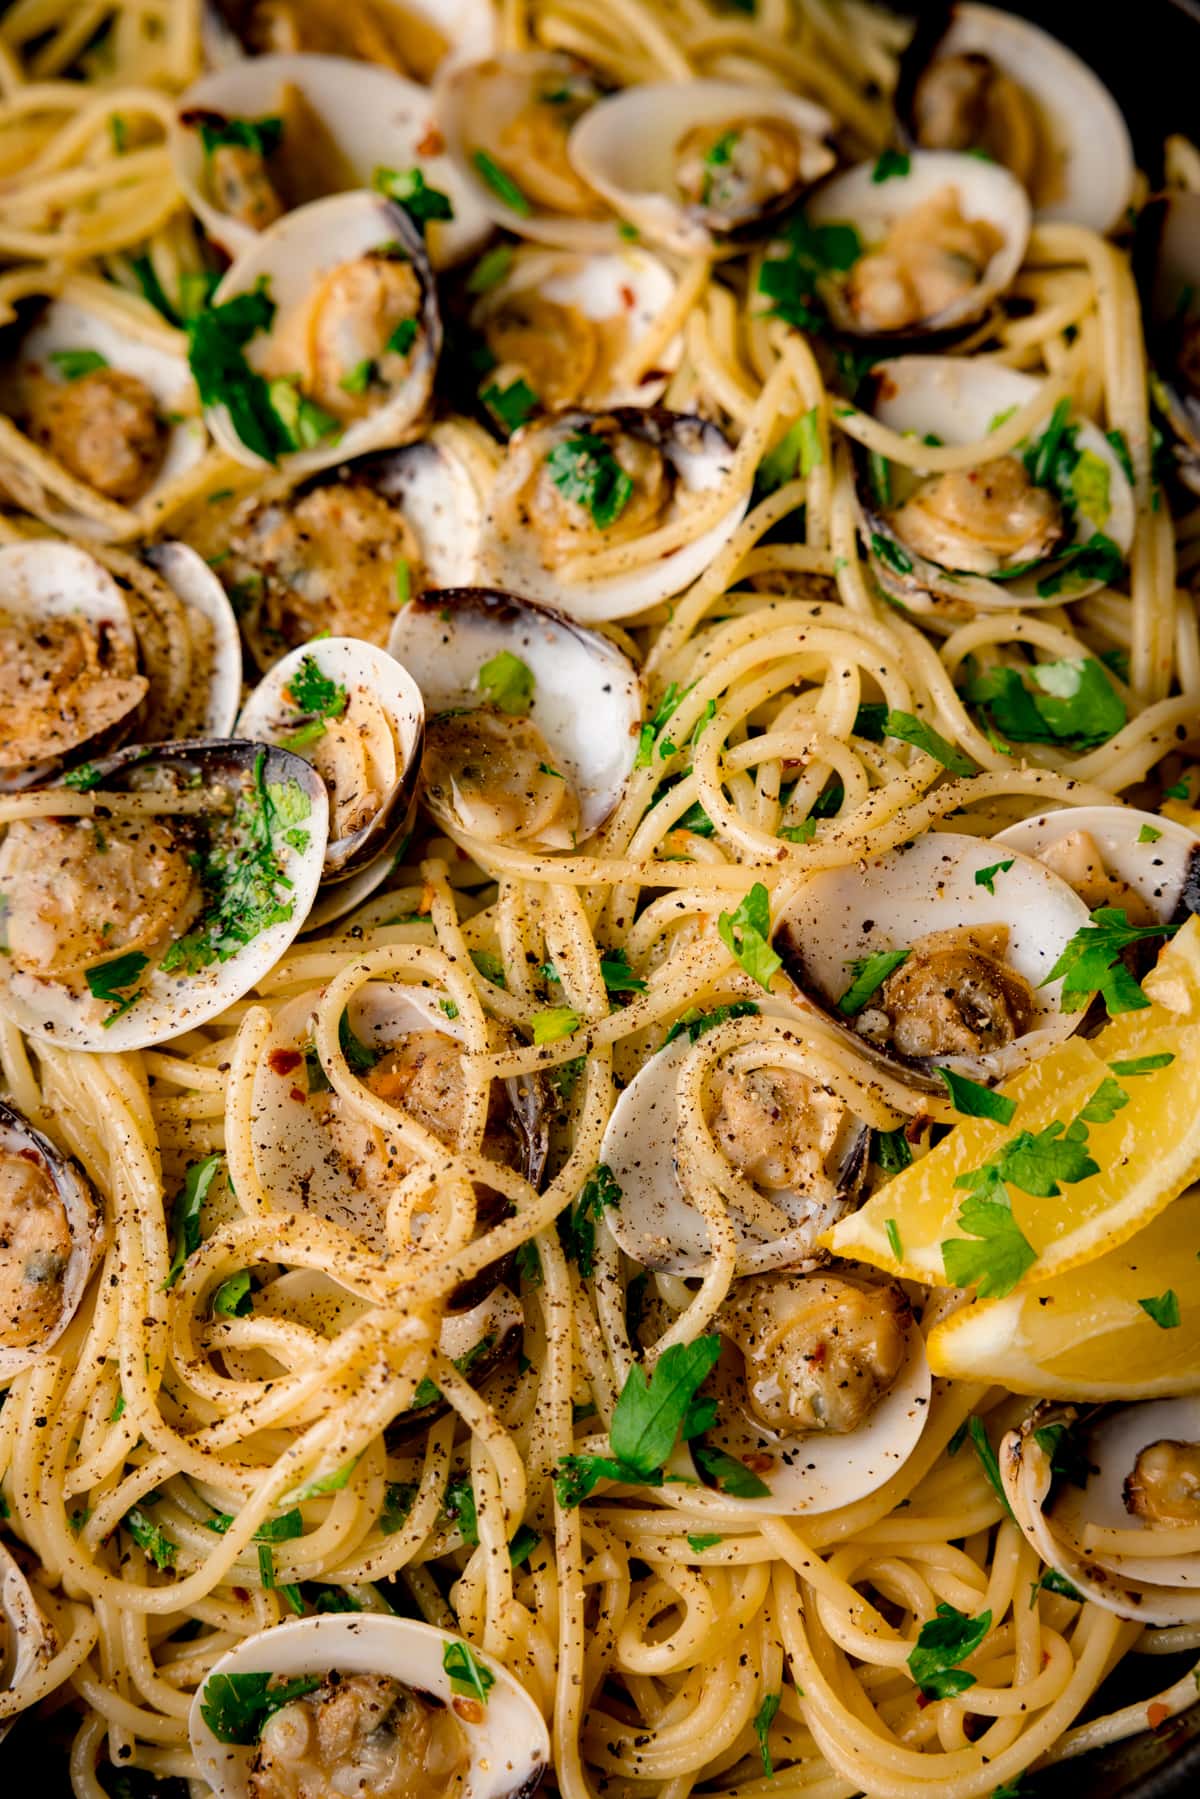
<point>423,35</point>
<point>508,1742</point>
<point>216,629</point>
<point>1156,856</point>
<point>369,754</point>
<point>84,1219</point>
<point>627,147</point>
<point>27,1641</point>
<point>587,696</point>
<point>843,915</point>
<point>374,120</point>
<point>441,502</point>
<point>657,1224</point>
<point>293,258</point>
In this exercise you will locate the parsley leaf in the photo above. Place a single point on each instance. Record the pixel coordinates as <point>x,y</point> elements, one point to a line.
<point>986,877</point>
<point>317,697</point>
<point>1091,962</point>
<point>889,164</point>
<point>695,1022</point>
<point>73,365</point>
<point>468,1676</point>
<point>236,1706</point>
<point>1053,1582</point>
<point>892,1153</point>
<point>943,1642</point>
<point>223,377</point>
<point>651,1408</point>
<point>263,136</point>
<point>185,1213</point>
<point>397,1504</point>
<point>982,1445</point>
<point>508,683</point>
<point>1144,1064</point>
<point>998,1258</point>
<point>409,189</point>
<point>974,1100</point>
<point>727,1474</point>
<point>1164,1309</point>
<point>233,1298</point>
<point>490,270</point>
<point>617,975</point>
<point>910,729</point>
<point>1105,1102</point>
<point>600,1194</point>
<point>746,934</point>
<point>792,279</point>
<point>699,1541</point>
<point>511,406</point>
<point>869,973</point>
<point>1068,702</point>
<point>153,1542</point>
<point>108,980</point>
<point>763,1720</point>
<point>553,1023</point>
<point>798,452</point>
<point>460,1507</point>
<point>584,469</point>
<point>523,1544</point>
<point>501,184</point>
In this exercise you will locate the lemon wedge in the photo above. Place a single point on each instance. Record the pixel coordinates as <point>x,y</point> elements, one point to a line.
<point>1102,1172</point>
<point>1085,1335</point>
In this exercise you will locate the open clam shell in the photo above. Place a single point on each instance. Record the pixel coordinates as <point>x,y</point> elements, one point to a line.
<point>564,322</point>
<point>888,904</point>
<point>70,672</point>
<point>506,120</point>
<point>1110,854</point>
<point>692,163</point>
<point>1155,1587</point>
<point>339,123</point>
<point>309,1151</point>
<point>141,920</point>
<point>1026,525</point>
<point>52,1238</point>
<point>27,1641</point>
<point>586,697</point>
<point>350,351</point>
<point>659,1226</point>
<point>210,707</point>
<point>977,78</point>
<point>1167,262</point>
<point>535,525</point>
<point>503,1742</point>
<point>411,37</point>
<point>357,716</point>
<point>108,397</point>
<point>943,292</point>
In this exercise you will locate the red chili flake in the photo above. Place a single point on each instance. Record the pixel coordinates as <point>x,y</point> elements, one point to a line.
<point>916,1128</point>
<point>628,298</point>
<point>1157,1714</point>
<point>432,144</point>
<point>759,1464</point>
<point>298,1094</point>
<point>282,1061</point>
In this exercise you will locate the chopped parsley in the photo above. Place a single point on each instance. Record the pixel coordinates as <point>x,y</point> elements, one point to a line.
<point>403,337</point>
<point>490,270</point>
<point>523,1544</point>
<point>317,697</point>
<point>889,164</point>
<point>892,1230</point>
<point>459,1508</point>
<point>216,341</point>
<point>791,280</point>
<point>236,1706</point>
<point>233,1298</point>
<point>1091,962</point>
<point>302,422</point>
<point>908,728</point>
<point>1164,1309</point>
<point>699,1542</point>
<point>943,1642</point>
<point>647,1420</point>
<point>695,1022</point>
<point>1144,1064</point>
<point>511,406</point>
<point>868,975</point>
<point>153,1542</point>
<point>727,1474</point>
<point>1148,834</point>
<point>83,778</point>
<point>798,452</point>
<point>1067,702</point>
<point>974,1100</point>
<point>501,184</point>
<point>981,1443</point>
<point>656,724</point>
<point>185,1214</point>
<point>410,190</point>
<point>746,934</point>
<point>468,1676</point>
<point>584,469</point>
<point>112,981</point>
<point>262,136</point>
<point>600,1193</point>
<point>553,1023</point>
<point>73,365</point>
<point>986,877</point>
<point>507,682</point>
<point>397,1504</point>
<point>892,1152</point>
<point>763,1720</point>
<point>1051,1581</point>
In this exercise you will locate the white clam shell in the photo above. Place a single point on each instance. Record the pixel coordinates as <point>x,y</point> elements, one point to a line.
<point>624,291</point>
<point>510,559</point>
<point>657,1224</point>
<point>440,501</point>
<point>147,349</point>
<point>85,1222</point>
<point>468,26</point>
<point>366,673</point>
<point>193,582</point>
<point>291,256</point>
<point>509,1743</point>
<point>1162,870</point>
<point>958,400</point>
<point>985,191</point>
<point>171,1003</point>
<point>376,119</point>
<point>587,696</point>
<point>842,915</point>
<point>824,1470</point>
<point>1089,139</point>
<point>1162,1590</point>
<point>26,1638</point>
<point>625,148</point>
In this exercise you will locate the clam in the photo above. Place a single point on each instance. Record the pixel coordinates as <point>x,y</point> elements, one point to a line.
<point>930,966</point>
<point>795,1157</point>
<point>692,163</point>
<point>933,245</point>
<point>141,919</point>
<point>374,1703</point>
<point>357,716</point>
<point>256,139</point>
<point>506,120</point>
<point>1052,518</point>
<point>347,342</point>
<point>27,1641</point>
<point>563,323</point>
<point>533,721</point>
<point>412,37</point>
<point>344,550</point>
<point>51,1236</point>
<point>1110,1499</point>
<point>107,396</point>
<point>208,703</point>
<point>822,1388</point>
<point>1167,259</point>
<point>69,670</point>
<point>1143,864</point>
<point>581,483</point>
<point>405,1045</point>
<point>976,78</point>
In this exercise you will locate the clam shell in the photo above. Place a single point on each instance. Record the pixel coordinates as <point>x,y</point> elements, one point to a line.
<point>85,1220</point>
<point>1165,870</point>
